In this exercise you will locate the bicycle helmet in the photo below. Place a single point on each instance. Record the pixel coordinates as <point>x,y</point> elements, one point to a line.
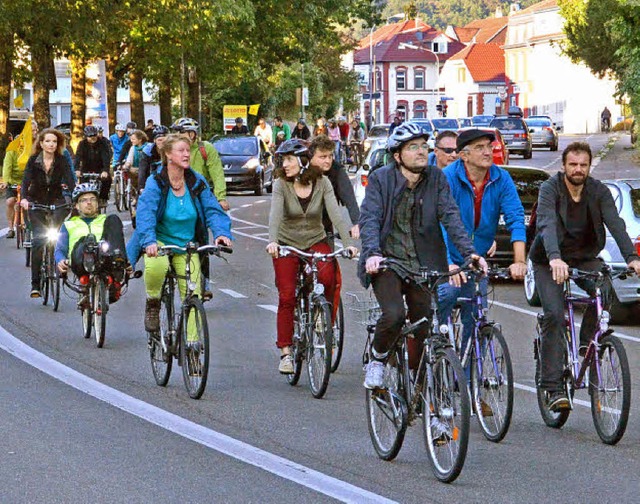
<point>403,133</point>
<point>185,124</point>
<point>84,188</point>
<point>90,131</point>
<point>120,127</point>
<point>159,131</point>
<point>295,146</point>
<point>132,125</point>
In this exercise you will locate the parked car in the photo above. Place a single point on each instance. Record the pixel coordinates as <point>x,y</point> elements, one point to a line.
<point>427,127</point>
<point>376,132</point>
<point>445,123</point>
<point>16,125</point>
<point>543,132</point>
<point>246,161</point>
<point>481,120</point>
<point>626,194</point>
<point>500,151</point>
<point>515,132</point>
<point>65,128</point>
<point>465,122</point>
<point>377,157</point>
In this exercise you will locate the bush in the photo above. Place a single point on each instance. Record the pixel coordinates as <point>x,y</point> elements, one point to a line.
<point>623,125</point>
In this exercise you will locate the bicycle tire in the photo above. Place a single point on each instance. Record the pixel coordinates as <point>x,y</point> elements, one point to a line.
<point>117,194</point>
<point>319,348</point>
<point>87,317</point>
<point>297,348</point>
<point>338,338</point>
<point>446,408</point>
<point>55,284</point>
<point>100,310</point>
<point>161,360</point>
<point>195,362</point>
<point>492,384</point>
<point>611,396</point>
<point>44,276</point>
<point>27,249</point>
<point>553,419</point>
<point>19,228</point>
<point>387,412</point>
<point>127,195</point>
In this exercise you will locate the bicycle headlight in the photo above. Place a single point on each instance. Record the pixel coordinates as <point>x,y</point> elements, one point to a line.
<point>318,289</point>
<point>252,164</point>
<point>52,234</point>
<point>192,286</point>
<point>444,328</point>
<point>104,246</point>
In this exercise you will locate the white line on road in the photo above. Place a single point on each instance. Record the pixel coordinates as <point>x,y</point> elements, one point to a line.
<point>233,293</point>
<point>3,232</point>
<point>234,231</point>
<point>269,307</point>
<point>527,388</point>
<point>217,441</point>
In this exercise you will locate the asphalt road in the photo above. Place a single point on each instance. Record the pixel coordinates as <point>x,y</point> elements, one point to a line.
<point>82,424</point>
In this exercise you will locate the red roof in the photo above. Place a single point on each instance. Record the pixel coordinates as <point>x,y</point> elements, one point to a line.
<point>386,42</point>
<point>484,61</point>
<point>484,30</point>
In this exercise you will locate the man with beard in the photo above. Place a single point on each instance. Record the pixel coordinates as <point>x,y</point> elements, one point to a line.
<point>573,209</point>
<point>404,207</point>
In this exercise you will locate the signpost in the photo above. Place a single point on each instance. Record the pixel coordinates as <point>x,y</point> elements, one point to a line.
<point>229,114</point>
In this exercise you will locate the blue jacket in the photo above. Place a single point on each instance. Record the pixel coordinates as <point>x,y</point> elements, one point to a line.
<point>500,198</point>
<point>117,144</point>
<point>153,202</point>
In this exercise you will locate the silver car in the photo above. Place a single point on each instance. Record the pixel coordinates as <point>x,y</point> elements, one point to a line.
<point>376,132</point>
<point>626,194</point>
<point>543,132</point>
<point>377,157</point>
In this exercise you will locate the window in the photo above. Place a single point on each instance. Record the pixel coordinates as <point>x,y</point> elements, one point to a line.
<point>439,47</point>
<point>401,109</point>
<point>401,79</point>
<point>462,75</point>
<point>378,80</point>
<point>419,110</point>
<point>418,78</point>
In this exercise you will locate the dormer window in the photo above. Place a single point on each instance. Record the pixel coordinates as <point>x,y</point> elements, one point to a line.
<point>439,47</point>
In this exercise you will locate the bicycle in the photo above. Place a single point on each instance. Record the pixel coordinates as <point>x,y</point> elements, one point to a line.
<point>356,154</point>
<point>312,327</point>
<point>120,183</point>
<point>173,340</point>
<point>604,368</point>
<point>100,262</point>
<point>338,337</point>
<point>487,356</point>
<point>436,391</point>
<point>22,225</point>
<point>49,278</point>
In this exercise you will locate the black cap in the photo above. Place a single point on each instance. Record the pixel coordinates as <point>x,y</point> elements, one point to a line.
<point>470,135</point>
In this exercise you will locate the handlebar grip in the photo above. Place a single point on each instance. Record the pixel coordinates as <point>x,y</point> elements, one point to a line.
<point>225,249</point>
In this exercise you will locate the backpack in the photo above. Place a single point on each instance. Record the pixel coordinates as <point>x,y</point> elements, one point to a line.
<point>203,152</point>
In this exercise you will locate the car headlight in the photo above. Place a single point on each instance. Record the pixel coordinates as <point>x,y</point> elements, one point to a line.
<point>52,234</point>
<point>252,164</point>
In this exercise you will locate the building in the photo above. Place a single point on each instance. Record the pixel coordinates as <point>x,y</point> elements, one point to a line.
<point>541,80</point>
<point>399,66</point>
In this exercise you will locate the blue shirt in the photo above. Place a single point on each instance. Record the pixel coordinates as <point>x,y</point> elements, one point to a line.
<point>178,224</point>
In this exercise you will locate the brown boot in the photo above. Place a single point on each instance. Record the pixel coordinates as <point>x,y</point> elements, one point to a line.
<point>152,315</point>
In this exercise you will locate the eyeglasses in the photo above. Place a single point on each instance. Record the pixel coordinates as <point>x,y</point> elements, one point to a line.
<point>446,150</point>
<point>416,147</point>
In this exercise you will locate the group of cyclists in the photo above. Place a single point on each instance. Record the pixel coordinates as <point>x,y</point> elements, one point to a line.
<point>437,213</point>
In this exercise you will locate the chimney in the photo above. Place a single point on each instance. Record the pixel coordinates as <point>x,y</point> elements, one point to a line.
<point>498,12</point>
<point>513,8</point>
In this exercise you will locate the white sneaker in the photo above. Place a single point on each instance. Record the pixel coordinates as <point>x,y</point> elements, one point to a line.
<point>286,365</point>
<point>374,377</point>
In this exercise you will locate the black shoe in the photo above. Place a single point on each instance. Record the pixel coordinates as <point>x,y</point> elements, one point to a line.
<point>207,295</point>
<point>558,401</point>
<point>11,234</point>
<point>582,351</point>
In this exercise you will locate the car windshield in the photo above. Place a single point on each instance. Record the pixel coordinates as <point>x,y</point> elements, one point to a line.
<point>635,201</point>
<point>507,124</point>
<point>425,125</point>
<point>445,124</point>
<point>378,131</point>
<point>481,120</point>
<point>538,121</point>
<point>527,183</point>
<point>240,146</point>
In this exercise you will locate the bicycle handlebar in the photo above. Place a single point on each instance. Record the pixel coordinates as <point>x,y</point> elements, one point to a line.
<point>285,250</point>
<point>607,271</point>
<point>48,208</point>
<point>194,248</point>
<point>430,276</point>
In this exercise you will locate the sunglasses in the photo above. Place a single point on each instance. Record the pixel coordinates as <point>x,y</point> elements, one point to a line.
<point>446,150</point>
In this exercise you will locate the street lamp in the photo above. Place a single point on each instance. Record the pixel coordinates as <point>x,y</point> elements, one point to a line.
<point>406,45</point>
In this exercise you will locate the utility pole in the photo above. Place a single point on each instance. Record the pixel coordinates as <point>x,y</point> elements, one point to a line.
<point>371,76</point>
<point>182,85</point>
<point>302,91</point>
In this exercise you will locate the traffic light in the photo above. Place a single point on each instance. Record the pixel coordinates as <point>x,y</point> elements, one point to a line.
<point>439,107</point>
<point>444,110</point>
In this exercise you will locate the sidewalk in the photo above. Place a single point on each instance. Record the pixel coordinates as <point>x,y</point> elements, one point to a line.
<point>619,160</point>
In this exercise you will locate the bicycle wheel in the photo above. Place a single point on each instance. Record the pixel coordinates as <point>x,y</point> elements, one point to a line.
<point>298,347</point>
<point>44,276</point>
<point>127,195</point>
<point>446,415</point>
<point>27,246</point>
<point>87,315</point>
<point>19,227</point>
<point>161,358</point>
<point>194,348</point>
<point>554,419</point>
<point>610,390</point>
<point>319,349</point>
<point>55,284</point>
<point>118,194</point>
<point>492,384</point>
<point>100,309</point>
<point>387,412</point>
<point>338,341</point>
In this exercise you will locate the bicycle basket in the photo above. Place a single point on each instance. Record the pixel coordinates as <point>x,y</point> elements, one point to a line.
<point>367,311</point>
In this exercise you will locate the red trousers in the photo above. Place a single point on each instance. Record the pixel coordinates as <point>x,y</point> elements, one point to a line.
<point>286,271</point>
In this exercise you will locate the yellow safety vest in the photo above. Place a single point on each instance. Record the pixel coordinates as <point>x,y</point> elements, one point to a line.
<point>77,228</point>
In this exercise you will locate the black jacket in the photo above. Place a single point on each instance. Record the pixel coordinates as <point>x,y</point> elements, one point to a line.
<point>92,158</point>
<point>343,189</point>
<point>435,206</point>
<point>35,187</point>
<point>148,165</point>
<point>553,201</point>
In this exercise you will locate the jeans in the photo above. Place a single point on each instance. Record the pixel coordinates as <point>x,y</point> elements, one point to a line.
<point>553,325</point>
<point>337,152</point>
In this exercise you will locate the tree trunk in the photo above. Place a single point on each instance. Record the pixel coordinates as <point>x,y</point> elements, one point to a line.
<point>193,94</point>
<point>110,64</point>
<point>6,71</point>
<point>41,61</point>
<point>135,97</point>
<point>164,99</point>
<point>78,100</point>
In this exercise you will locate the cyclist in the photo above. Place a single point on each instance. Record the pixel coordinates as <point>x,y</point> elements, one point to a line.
<point>300,195</point>
<point>280,126</point>
<point>573,210</point>
<point>138,140</point>
<point>405,204</point>
<point>93,157</point>
<point>301,131</point>
<point>240,128</point>
<point>264,132</point>
<point>118,140</point>
<point>130,127</point>
<point>334,136</point>
<point>46,176</point>
<point>444,152</point>
<point>73,238</point>
<point>175,208</point>
<point>12,171</point>
<point>150,159</point>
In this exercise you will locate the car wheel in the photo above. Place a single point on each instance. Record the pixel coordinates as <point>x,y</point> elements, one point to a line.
<point>528,154</point>
<point>554,147</point>
<point>270,188</point>
<point>620,312</point>
<point>259,188</point>
<point>530,292</point>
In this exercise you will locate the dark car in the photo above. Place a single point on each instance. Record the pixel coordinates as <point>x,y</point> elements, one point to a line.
<point>16,126</point>
<point>65,128</point>
<point>528,181</point>
<point>515,133</point>
<point>247,163</point>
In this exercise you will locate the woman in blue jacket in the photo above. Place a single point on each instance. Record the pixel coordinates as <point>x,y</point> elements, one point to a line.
<point>176,208</point>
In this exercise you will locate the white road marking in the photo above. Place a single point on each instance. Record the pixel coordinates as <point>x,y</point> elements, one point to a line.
<point>233,293</point>
<point>244,227</point>
<point>261,234</point>
<point>246,206</point>
<point>286,469</point>
<point>268,307</point>
<point>260,201</point>
<point>533,390</point>
<point>248,235</point>
<point>255,224</point>
<point>3,232</point>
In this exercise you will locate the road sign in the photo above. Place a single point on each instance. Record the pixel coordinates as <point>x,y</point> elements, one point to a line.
<point>369,96</point>
<point>498,101</point>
